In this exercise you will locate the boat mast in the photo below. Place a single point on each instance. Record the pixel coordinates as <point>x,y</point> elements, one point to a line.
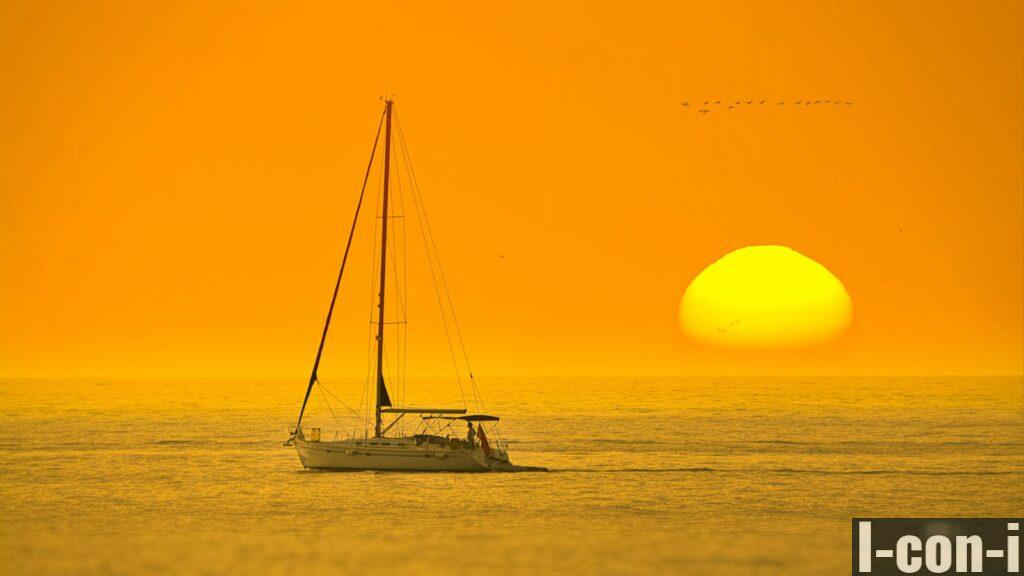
<point>382,391</point>
<point>334,297</point>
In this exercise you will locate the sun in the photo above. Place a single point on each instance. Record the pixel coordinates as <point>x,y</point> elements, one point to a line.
<point>765,297</point>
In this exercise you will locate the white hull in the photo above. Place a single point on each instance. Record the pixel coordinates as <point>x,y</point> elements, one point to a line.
<point>400,454</point>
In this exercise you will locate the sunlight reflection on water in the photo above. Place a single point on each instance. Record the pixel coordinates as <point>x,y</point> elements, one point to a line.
<point>723,476</point>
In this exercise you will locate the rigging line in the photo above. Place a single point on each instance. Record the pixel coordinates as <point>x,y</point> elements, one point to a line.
<point>399,299</point>
<point>333,395</point>
<point>362,402</point>
<point>417,195</point>
<point>370,299</point>
<point>328,404</point>
<point>404,338</point>
<point>444,319</point>
<point>337,284</point>
<point>371,351</point>
<point>431,263</point>
<point>404,334</point>
<point>366,383</point>
<point>444,322</point>
<point>396,298</point>
<point>405,328</point>
<point>364,399</point>
<point>402,294</point>
<point>387,363</point>
<point>399,291</point>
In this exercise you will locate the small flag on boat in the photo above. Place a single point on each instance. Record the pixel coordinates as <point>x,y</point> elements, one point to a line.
<point>483,440</point>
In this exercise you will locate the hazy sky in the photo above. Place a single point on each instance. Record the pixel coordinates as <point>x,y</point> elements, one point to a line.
<point>177,181</point>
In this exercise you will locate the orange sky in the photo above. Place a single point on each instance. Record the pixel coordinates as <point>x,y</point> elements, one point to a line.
<point>176,181</point>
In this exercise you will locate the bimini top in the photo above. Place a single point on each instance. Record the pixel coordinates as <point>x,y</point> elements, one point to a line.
<point>390,410</point>
<point>467,418</point>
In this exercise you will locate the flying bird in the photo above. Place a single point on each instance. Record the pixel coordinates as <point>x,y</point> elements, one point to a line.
<point>705,107</point>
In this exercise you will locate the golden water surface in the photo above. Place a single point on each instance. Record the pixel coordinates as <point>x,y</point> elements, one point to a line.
<point>691,476</point>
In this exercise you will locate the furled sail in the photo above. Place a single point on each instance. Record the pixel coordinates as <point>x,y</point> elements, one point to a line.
<point>382,392</point>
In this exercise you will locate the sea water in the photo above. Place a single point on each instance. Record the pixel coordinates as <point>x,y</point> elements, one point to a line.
<point>647,475</point>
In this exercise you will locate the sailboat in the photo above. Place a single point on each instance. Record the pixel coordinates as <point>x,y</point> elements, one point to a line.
<point>436,441</point>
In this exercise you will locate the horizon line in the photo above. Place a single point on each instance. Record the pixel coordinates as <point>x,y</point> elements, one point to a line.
<point>513,376</point>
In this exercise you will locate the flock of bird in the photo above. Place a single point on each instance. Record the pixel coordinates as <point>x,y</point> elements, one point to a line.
<point>708,105</point>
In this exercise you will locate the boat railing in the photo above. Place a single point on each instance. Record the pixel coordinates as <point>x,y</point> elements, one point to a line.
<point>317,435</point>
<point>324,435</point>
<point>307,434</point>
<point>454,443</point>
